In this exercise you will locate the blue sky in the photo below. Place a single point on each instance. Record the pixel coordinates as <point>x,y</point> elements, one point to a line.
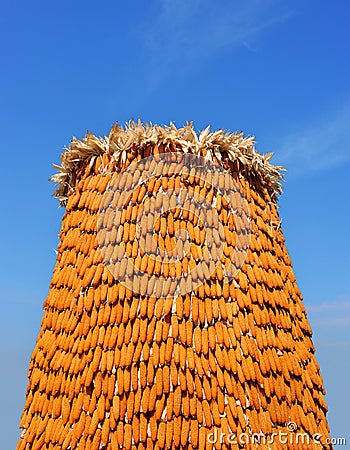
<point>276,69</point>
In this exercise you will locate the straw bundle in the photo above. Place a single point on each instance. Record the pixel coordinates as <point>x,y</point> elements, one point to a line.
<point>118,366</point>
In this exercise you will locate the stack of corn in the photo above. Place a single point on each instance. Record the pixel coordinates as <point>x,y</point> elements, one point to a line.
<point>121,362</point>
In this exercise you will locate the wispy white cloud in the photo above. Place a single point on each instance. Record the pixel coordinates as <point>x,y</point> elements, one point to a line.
<point>183,34</point>
<point>333,321</point>
<point>321,146</point>
<point>341,304</point>
<point>330,321</point>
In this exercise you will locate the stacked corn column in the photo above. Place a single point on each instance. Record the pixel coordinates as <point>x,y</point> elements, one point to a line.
<point>170,365</point>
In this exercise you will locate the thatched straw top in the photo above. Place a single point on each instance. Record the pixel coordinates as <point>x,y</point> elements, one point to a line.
<point>218,146</point>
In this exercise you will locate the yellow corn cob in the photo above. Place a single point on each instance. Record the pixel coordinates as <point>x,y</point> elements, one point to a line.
<point>202,439</point>
<point>127,441</point>
<point>93,423</point>
<point>152,398</point>
<point>177,400</point>
<point>207,414</point>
